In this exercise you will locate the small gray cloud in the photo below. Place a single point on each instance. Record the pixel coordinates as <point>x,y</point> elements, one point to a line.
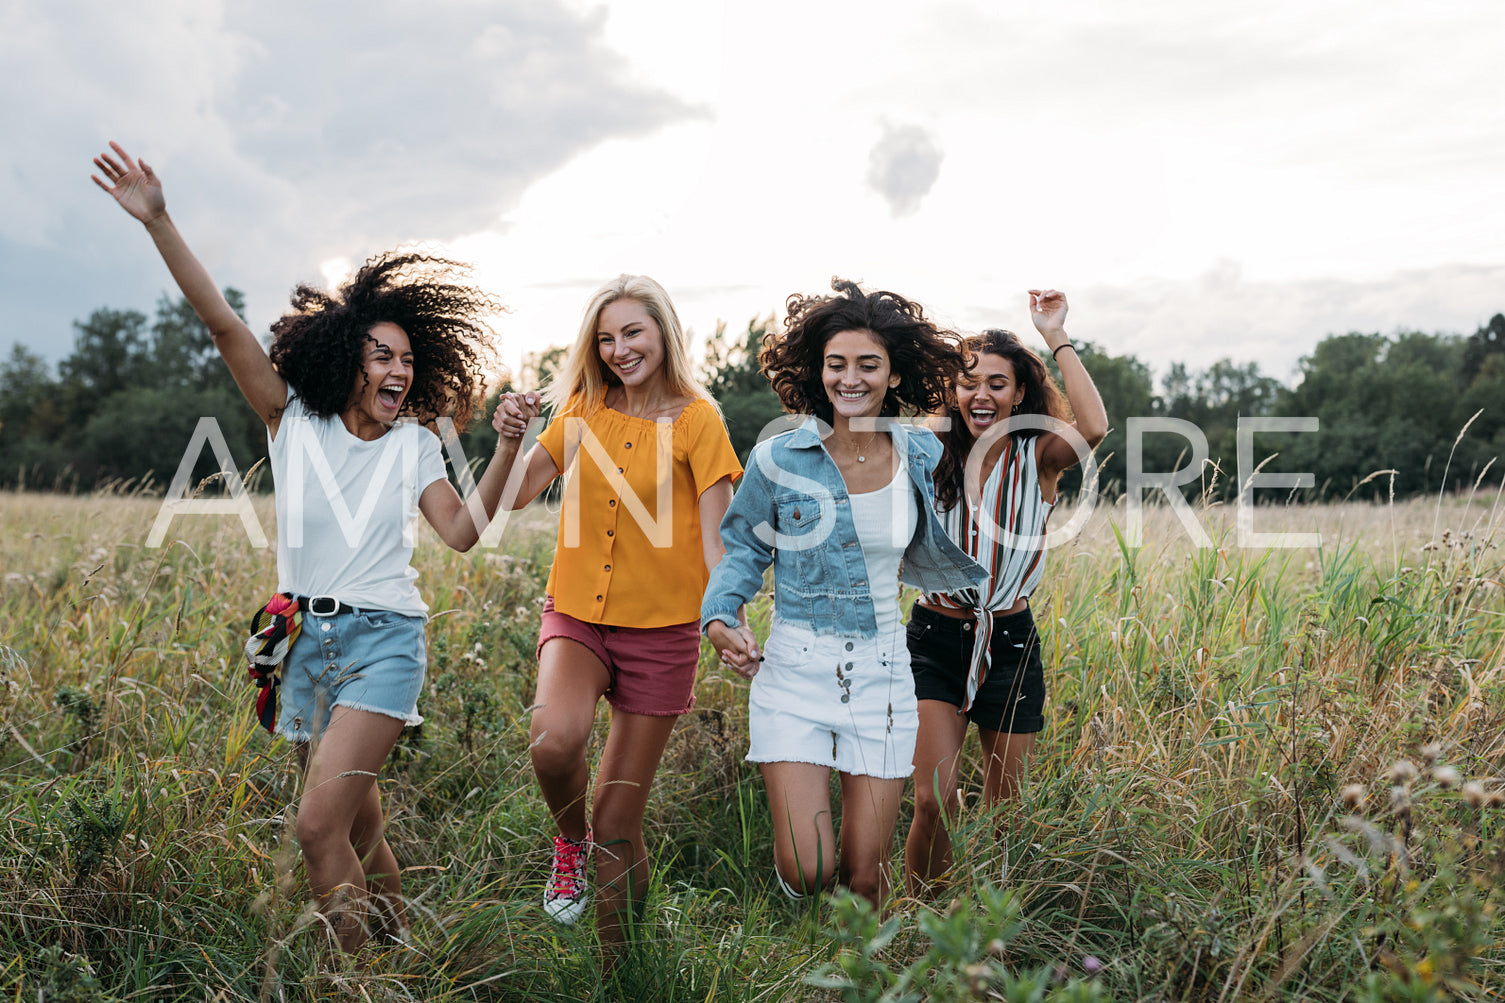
<point>903,166</point>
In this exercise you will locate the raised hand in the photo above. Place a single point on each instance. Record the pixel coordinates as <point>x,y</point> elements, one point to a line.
<point>132,183</point>
<point>513,412</point>
<point>1047,309</point>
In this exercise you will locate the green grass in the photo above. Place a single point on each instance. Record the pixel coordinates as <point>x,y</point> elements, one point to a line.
<point>1184,834</point>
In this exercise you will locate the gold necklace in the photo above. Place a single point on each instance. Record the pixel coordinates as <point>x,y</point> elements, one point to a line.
<point>860,457</point>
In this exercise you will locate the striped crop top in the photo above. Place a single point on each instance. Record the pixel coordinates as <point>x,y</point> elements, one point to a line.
<point>1006,535</point>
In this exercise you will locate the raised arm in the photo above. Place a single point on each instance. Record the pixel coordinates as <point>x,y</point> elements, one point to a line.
<point>138,190</point>
<point>1048,311</point>
<point>513,412</point>
<point>459,523</point>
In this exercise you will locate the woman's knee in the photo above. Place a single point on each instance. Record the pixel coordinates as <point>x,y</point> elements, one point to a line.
<point>867,882</point>
<point>317,829</point>
<point>804,873</point>
<point>862,874</point>
<point>367,833</point>
<point>557,749</point>
<point>931,806</point>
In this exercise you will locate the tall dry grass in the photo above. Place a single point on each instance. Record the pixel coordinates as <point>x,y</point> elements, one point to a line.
<point>1191,828</point>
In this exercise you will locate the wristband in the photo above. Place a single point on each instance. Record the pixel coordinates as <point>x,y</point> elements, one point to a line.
<point>1059,347</point>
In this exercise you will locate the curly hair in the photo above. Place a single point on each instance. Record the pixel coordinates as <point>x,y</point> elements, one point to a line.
<point>318,346</point>
<point>1041,396</point>
<point>926,358</point>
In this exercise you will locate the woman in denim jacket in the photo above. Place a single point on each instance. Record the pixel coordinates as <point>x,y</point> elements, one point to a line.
<point>844,510</point>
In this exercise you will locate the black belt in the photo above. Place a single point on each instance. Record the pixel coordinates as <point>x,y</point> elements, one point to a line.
<point>324,606</point>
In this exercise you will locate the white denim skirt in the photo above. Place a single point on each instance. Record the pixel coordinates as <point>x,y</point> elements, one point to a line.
<point>843,702</point>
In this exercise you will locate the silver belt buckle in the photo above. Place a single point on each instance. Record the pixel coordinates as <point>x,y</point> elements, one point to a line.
<point>315,602</point>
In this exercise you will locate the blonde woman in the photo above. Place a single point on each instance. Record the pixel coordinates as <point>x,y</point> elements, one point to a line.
<point>649,472</point>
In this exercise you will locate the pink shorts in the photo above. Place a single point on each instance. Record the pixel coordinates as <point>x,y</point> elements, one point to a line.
<point>652,668</point>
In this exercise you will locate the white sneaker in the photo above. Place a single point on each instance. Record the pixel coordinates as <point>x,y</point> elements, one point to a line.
<point>567,893</point>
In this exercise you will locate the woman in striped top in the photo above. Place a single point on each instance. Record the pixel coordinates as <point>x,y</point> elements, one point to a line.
<point>975,655</point>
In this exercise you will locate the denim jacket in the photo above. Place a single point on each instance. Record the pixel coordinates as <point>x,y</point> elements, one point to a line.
<point>792,510</point>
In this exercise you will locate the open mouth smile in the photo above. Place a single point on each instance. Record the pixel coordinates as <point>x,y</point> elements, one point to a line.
<point>390,394</point>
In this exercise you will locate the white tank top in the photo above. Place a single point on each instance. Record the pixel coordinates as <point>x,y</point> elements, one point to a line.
<point>885,520</point>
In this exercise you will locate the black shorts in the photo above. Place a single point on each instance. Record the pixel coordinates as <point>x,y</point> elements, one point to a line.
<point>1012,696</point>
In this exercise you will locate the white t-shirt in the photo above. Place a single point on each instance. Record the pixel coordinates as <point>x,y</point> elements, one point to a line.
<point>345,509</point>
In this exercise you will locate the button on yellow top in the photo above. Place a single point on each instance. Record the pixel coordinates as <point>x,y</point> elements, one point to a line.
<point>637,564</point>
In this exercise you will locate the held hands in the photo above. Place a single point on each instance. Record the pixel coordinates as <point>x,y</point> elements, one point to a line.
<point>135,185</point>
<point>1047,308</point>
<point>513,412</point>
<point>738,648</point>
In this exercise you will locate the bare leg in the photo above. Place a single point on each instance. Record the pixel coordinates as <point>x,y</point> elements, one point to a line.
<point>634,747</point>
<point>383,875</point>
<point>869,811</point>
<point>804,841</point>
<point>338,789</point>
<point>570,682</point>
<point>1005,756</point>
<point>927,850</point>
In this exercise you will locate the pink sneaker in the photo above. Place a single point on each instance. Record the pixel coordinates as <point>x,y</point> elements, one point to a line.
<point>567,893</point>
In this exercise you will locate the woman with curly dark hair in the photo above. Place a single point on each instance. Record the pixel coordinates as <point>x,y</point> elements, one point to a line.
<point>843,507</point>
<point>975,654</point>
<point>399,340</point>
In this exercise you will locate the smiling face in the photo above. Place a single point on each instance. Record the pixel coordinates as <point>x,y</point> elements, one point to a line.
<point>987,394</point>
<point>856,373</point>
<point>385,378</point>
<point>630,342</point>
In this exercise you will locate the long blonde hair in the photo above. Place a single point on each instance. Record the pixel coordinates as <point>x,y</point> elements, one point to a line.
<point>586,376</point>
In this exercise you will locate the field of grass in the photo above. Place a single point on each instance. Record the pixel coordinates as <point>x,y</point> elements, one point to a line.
<point>1265,775</point>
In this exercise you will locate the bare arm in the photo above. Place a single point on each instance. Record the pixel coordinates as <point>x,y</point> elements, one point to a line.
<point>1048,311</point>
<point>713,504</point>
<point>457,522</point>
<point>138,190</point>
<point>738,648</point>
<point>513,412</point>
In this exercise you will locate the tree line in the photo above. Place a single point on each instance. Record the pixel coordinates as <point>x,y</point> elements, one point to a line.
<point>1403,413</point>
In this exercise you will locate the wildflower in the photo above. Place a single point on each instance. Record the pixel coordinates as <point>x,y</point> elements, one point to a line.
<point>1447,778</point>
<point>1400,800</point>
<point>1091,965</point>
<point>1431,752</point>
<point>1494,799</point>
<point>1473,793</point>
<point>1403,772</point>
<point>1353,796</point>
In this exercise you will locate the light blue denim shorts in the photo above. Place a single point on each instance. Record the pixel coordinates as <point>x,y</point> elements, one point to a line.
<point>374,660</point>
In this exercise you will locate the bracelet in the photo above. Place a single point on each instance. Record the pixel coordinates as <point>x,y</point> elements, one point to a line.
<point>1059,347</point>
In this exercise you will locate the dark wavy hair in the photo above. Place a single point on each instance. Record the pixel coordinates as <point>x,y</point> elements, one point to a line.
<point>1041,396</point>
<point>318,347</point>
<point>926,358</point>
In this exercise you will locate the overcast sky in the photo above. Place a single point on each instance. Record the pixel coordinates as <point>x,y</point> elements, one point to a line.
<point>1203,180</point>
